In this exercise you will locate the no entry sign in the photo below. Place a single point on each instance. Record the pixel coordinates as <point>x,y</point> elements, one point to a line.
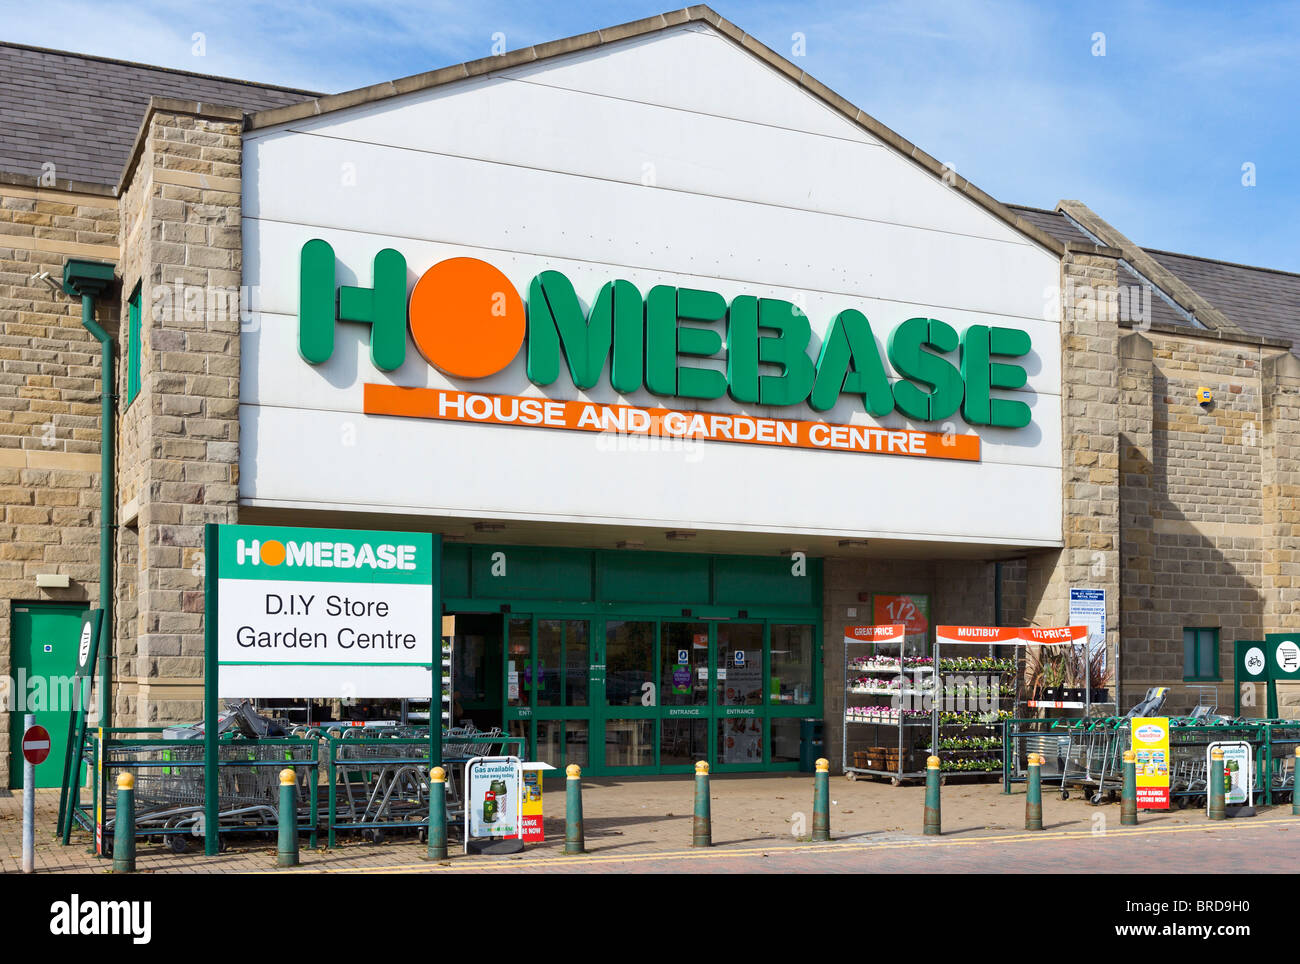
<point>36,745</point>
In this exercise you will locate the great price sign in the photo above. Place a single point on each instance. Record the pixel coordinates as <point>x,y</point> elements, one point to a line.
<point>324,612</point>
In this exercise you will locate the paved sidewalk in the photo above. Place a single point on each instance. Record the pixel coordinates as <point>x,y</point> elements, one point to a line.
<point>760,823</point>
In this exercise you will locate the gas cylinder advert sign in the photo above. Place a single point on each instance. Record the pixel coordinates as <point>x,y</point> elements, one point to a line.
<point>492,803</point>
<point>1151,748</point>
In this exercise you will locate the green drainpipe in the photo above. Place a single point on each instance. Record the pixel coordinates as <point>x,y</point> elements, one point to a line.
<point>88,280</point>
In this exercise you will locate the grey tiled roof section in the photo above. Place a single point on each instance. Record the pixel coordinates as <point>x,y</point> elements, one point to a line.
<point>1262,301</point>
<point>1148,300</point>
<point>1053,222</point>
<point>83,113</point>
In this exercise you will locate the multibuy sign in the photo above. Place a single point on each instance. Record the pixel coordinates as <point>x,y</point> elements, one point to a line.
<point>324,612</point>
<point>468,320</point>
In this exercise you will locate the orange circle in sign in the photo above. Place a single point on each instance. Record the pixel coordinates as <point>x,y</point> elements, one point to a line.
<point>272,552</point>
<point>467,319</point>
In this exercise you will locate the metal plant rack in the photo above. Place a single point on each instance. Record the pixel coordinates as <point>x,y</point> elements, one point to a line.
<point>904,731</point>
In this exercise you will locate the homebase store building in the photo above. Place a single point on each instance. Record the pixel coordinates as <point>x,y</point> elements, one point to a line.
<point>688,361</point>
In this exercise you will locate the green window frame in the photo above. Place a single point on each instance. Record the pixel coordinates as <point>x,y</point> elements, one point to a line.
<point>133,346</point>
<point>1201,654</point>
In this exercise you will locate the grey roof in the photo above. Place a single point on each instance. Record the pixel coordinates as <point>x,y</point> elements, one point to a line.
<point>1053,222</point>
<point>1262,301</point>
<point>83,113</point>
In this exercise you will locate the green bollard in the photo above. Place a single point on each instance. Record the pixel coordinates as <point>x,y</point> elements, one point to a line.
<point>287,851</point>
<point>822,801</point>
<point>933,825</point>
<point>702,827</point>
<point>1034,794</point>
<point>575,841</point>
<point>1217,809</point>
<point>124,826</point>
<point>1128,801</point>
<point>437,832</point>
<point>1295,772</point>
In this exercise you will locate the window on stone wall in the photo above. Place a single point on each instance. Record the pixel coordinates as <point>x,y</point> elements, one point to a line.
<point>1200,654</point>
<point>133,346</point>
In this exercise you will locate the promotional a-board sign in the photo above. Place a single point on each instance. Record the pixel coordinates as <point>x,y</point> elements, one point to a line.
<point>1238,772</point>
<point>493,791</point>
<point>1151,747</point>
<point>530,802</point>
<point>325,613</point>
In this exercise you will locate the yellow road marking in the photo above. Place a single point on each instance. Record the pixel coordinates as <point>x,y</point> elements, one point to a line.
<point>779,849</point>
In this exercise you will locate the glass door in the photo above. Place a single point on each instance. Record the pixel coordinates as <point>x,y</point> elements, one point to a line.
<point>684,686</point>
<point>631,693</point>
<point>550,679</point>
<point>739,688</point>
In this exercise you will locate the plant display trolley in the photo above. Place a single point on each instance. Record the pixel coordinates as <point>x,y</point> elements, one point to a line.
<point>885,709</point>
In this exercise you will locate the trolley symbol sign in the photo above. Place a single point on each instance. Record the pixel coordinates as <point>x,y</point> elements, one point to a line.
<point>36,745</point>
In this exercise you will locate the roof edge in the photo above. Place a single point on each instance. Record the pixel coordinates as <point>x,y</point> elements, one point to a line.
<point>38,182</point>
<point>170,105</point>
<point>699,13</point>
<point>1142,262</point>
<point>170,70</point>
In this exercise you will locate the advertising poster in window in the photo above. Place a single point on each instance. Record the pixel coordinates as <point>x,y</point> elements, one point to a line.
<point>910,609</point>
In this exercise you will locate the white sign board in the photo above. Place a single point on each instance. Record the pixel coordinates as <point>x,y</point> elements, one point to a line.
<point>1088,608</point>
<point>492,797</point>
<point>1238,772</point>
<point>324,613</point>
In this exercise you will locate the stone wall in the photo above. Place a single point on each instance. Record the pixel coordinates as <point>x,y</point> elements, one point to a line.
<point>49,401</point>
<point>180,454</point>
<point>1090,452</point>
<point>1193,507</point>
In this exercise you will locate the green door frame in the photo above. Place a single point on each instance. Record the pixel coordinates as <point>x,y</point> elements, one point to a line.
<point>597,713</point>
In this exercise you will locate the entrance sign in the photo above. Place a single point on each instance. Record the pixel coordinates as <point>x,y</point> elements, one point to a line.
<point>493,788</point>
<point>1151,747</point>
<point>1238,772</point>
<point>324,613</point>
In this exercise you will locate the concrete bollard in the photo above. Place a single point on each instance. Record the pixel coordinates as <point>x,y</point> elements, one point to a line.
<point>287,850</point>
<point>1295,797</point>
<point>437,832</point>
<point>124,826</point>
<point>821,828</point>
<point>1128,800</point>
<point>1034,794</point>
<point>1217,809</point>
<point>702,826</point>
<point>575,841</point>
<point>933,825</point>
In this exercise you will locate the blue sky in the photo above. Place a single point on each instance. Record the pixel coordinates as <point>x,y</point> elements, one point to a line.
<point>1153,135</point>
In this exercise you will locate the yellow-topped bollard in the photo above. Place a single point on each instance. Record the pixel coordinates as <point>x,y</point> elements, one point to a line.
<point>1034,793</point>
<point>575,841</point>
<point>124,825</point>
<point>1218,809</point>
<point>287,849</point>
<point>821,827</point>
<point>702,825</point>
<point>1128,807</point>
<point>1295,797</point>
<point>933,823</point>
<point>437,830</point>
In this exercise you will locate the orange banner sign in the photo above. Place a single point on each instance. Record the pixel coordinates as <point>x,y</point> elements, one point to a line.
<point>874,634</point>
<point>458,406</point>
<point>1011,635</point>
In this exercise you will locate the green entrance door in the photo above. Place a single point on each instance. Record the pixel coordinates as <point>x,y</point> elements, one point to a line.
<point>44,654</point>
<point>631,694</point>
